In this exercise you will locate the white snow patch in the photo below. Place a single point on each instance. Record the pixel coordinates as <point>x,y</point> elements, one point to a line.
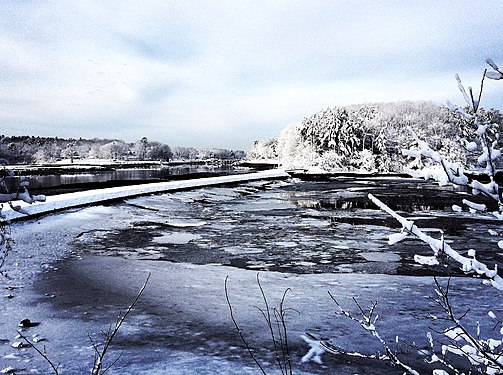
<point>286,243</point>
<point>179,223</point>
<point>429,261</point>
<point>397,237</point>
<point>305,264</point>
<point>380,257</point>
<point>456,208</point>
<point>234,250</point>
<point>260,265</point>
<point>176,238</point>
<point>341,247</point>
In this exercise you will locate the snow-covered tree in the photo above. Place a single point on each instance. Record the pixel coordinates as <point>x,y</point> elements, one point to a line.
<point>371,136</point>
<point>264,149</point>
<point>159,151</point>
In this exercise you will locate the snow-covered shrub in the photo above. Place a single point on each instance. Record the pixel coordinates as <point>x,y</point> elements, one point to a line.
<point>332,160</point>
<point>363,160</point>
<point>293,150</point>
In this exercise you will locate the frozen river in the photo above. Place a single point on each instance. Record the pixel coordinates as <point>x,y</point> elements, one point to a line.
<point>74,271</point>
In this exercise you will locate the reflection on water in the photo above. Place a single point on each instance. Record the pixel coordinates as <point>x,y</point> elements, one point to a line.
<point>351,204</point>
<point>146,175</point>
<point>402,194</point>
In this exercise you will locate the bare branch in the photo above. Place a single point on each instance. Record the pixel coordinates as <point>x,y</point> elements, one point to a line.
<point>367,325</point>
<point>40,352</point>
<point>109,336</point>
<point>238,329</point>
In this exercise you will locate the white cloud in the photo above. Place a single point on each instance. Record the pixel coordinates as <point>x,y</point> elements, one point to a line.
<point>225,73</point>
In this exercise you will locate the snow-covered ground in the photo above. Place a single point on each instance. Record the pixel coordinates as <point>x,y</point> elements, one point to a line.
<point>74,271</point>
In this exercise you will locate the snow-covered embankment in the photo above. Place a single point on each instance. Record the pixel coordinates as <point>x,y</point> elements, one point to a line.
<point>81,198</point>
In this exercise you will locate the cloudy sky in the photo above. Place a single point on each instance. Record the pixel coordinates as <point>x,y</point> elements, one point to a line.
<point>223,73</point>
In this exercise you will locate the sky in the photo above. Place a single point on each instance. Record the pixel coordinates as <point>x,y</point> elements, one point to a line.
<point>224,73</point>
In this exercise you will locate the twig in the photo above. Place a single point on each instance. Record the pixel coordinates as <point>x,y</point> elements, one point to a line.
<point>276,324</point>
<point>367,324</point>
<point>445,303</point>
<point>267,316</point>
<point>40,352</point>
<point>110,334</point>
<point>285,348</point>
<point>238,329</point>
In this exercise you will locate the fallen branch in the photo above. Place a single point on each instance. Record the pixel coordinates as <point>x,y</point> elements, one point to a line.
<point>468,265</point>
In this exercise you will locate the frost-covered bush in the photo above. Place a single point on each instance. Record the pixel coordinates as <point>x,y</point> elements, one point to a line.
<point>363,160</point>
<point>292,149</point>
<point>377,133</point>
<point>331,160</point>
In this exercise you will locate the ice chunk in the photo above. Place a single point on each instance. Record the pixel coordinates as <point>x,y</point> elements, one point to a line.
<point>427,261</point>
<point>456,208</point>
<point>176,238</point>
<point>381,257</point>
<point>397,237</point>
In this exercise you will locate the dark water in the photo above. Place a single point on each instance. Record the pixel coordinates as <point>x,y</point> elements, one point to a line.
<point>65,182</point>
<point>296,227</point>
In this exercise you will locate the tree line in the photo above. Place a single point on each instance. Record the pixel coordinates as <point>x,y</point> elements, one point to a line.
<point>372,136</point>
<point>33,149</point>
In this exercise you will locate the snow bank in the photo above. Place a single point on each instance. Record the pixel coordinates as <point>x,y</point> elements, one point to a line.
<point>64,201</point>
